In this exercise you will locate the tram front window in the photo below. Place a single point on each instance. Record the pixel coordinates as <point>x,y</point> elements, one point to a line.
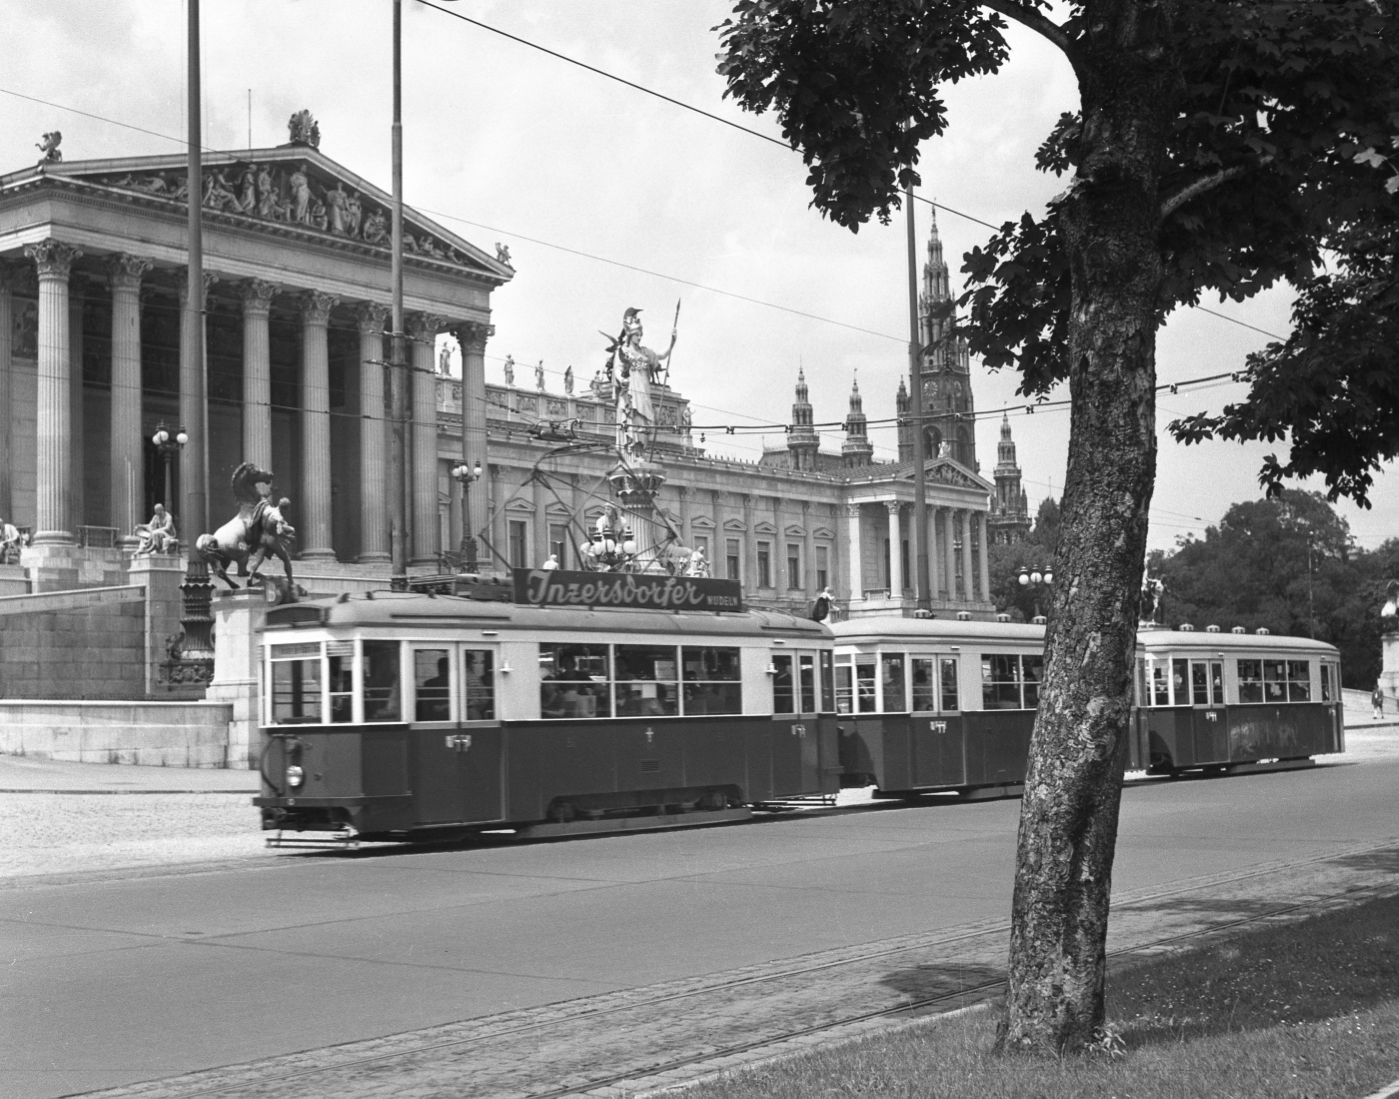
<point>296,690</point>
<point>432,681</point>
<point>576,681</point>
<point>924,689</point>
<point>950,703</point>
<point>381,694</point>
<point>806,666</point>
<point>892,681</point>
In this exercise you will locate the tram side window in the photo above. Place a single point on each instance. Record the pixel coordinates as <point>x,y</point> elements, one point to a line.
<point>1180,676</point>
<point>1000,682</point>
<point>892,680</point>
<point>806,671</point>
<point>828,682</point>
<point>783,700</point>
<point>864,684</point>
<point>1199,684</point>
<point>1217,682</point>
<point>1160,684</point>
<point>1250,681</point>
<point>1299,681</point>
<point>924,686</point>
<point>296,685</point>
<point>845,689</point>
<point>478,684</point>
<point>432,683</point>
<point>1033,669</point>
<point>647,683</point>
<point>713,683</point>
<point>950,699</point>
<point>340,661</point>
<point>1326,683</point>
<point>576,681</point>
<point>381,694</point>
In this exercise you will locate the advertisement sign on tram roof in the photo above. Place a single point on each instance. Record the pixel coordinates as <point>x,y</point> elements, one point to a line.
<point>628,590</point>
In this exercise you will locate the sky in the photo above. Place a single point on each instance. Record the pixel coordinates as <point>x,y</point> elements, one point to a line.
<point>609,198</point>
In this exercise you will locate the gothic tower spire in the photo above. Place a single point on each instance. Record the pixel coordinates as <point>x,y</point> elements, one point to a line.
<point>802,440</point>
<point>1009,520</point>
<point>857,450</point>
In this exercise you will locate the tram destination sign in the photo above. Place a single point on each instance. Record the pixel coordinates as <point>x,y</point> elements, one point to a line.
<point>632,591</point>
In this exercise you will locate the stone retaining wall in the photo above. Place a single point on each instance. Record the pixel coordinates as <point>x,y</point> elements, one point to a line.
<point>156,734</point>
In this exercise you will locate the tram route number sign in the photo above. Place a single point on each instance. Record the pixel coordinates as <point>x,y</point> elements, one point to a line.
<point>632,591</point>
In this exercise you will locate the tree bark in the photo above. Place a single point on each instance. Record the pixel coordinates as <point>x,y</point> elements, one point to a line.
<point>1068,820</point>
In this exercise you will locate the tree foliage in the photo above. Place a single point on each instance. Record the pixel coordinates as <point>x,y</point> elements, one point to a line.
<point>1035,551</point>
<point>1220,146</point>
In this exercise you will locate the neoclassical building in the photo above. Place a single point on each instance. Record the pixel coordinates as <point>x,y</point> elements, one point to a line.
<point>297,279</point>
<point>94,360</point>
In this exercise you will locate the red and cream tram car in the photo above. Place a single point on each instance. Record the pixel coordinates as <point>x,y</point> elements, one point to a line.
<point>409,716</point>
<point>1218,701</point>
<point>937,705</point>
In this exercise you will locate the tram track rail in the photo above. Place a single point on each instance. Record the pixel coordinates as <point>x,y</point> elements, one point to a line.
<point>1317,882</point>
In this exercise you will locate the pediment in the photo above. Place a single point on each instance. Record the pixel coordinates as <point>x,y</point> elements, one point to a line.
<point>764,527</point>
<point>734,524</point>
<point>795,531</point>
<point>945,471</point>
<point>294,191</point>
<point>702,522</point>
<point>824,532</point>
<point>518,503</point>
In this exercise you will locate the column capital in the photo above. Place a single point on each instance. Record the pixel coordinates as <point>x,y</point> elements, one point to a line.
<point>54,258</point>
<point>210,277</point>
<point>127,271</point>
<point>423,327</point>
<point>853,511</point>
<point>316,306</point>
<point>256,295</point>
<point>370,316</point>
<point>893,506</point>
<point>472,335</point>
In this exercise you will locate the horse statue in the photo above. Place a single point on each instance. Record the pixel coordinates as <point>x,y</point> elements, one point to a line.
<point>258,531</point>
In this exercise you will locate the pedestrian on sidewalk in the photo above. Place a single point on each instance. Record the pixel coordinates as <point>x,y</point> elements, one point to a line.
<point>1377,701</point>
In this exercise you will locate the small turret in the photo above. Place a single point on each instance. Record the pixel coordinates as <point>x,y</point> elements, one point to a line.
<point>1009,520</point>
<point>802,440</point>
<point>857,449</point>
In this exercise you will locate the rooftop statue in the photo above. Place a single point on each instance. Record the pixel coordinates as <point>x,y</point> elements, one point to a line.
<point>157,536</point>
<point>502,253</point>
<point>258,531</point>
<point>48,148</point>
<point>304,130</point>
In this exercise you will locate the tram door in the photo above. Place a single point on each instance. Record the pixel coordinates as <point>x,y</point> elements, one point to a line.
<point>796,693</point>
<point>1209,723</point>
<point>938,755</point>
<point>457,761</point>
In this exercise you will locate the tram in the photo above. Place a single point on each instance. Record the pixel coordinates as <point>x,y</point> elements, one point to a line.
<point>419,717</point>
<point>929,705</point>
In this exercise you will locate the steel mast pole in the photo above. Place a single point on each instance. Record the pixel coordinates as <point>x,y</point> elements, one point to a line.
<point>398,387</point>
<point>923,605</point>
<point>193,391</point>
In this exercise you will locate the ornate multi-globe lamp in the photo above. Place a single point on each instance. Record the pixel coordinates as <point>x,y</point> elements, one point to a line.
<point>611,545</point>
<point>465,475</point>
<point>1032,579</point>
<point>167,446</point>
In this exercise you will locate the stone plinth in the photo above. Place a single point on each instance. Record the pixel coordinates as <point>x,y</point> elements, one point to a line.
<point>1389,670</point>
<point>161,576</point>
<point>57,566</point>
<point>237,669</point>
<point>13,580</point>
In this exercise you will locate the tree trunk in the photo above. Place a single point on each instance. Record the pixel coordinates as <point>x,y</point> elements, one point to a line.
<point>1068,820</point>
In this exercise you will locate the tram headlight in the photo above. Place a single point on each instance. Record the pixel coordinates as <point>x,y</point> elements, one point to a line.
<point>295,775</point>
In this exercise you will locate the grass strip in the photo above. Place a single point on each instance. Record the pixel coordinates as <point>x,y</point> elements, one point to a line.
<point>1302,1010</point>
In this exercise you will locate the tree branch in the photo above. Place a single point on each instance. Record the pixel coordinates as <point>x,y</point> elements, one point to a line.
<point>1199,187</point>
<point>1042,25</point>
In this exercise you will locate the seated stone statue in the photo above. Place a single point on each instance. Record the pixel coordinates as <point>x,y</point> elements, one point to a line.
<point>11,542</point>
<point>157,536</point>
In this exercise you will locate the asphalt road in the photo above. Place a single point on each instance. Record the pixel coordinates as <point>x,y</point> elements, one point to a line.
<point>132,975</point>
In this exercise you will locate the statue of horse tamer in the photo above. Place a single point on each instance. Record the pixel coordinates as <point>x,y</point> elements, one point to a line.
<point>258,531</point>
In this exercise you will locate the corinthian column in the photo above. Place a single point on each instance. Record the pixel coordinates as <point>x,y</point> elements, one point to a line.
<point>257,371</point>
<point>984,557</point>
<point>854,555</point>
<point>472,338</point>
<point>128,472</point>
<point>373,435</point>
<point>896,557</point>
<point>7,326</point>
<point>949,554</point>
<point>968,576</point>
<point>315,529</point>
<point>422,330</point>
<point>53,504</point>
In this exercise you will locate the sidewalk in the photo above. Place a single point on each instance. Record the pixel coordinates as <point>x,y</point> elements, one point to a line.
<point>29,774</point>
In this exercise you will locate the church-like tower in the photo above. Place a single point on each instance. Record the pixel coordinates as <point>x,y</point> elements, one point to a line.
<point>948,408</point>
<point>1009,520</point>
<point>802,440</point>
<point>857,450</point>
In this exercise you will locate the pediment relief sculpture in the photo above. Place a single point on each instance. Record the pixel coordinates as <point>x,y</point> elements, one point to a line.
<point>291,193</point>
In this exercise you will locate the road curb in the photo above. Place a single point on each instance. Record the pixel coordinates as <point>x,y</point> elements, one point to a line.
<point>1389,1091</point>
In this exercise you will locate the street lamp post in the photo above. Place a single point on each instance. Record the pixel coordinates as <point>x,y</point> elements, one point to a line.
<point>466,475</point>
<point>168,446</point>
<point>1033,580</point>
